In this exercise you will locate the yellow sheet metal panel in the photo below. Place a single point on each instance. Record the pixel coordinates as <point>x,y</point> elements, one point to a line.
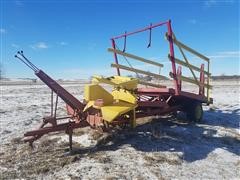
<point>101,79</point>
<point>125,82</point>
<point>125,96</point>
<point>122,99</point>
<point>93,92</point>
<point>117,81</point>
<point>89,104</point>
<point>109,113</point>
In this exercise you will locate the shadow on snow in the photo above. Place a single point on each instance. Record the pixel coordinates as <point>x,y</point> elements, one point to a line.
<point>195,141</point>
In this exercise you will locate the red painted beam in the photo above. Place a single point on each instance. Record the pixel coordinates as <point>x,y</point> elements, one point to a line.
<point>60,127</point>
<point>60,91</point>
<point>155,90</point>
<point>140,30</point>
<point>152,104</point>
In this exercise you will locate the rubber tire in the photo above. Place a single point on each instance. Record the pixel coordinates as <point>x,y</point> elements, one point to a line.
<point>194,112</point>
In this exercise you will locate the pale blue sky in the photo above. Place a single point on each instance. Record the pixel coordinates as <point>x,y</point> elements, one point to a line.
<point>69,39</point>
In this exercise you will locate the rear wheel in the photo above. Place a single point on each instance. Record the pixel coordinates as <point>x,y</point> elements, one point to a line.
<point>194,112</point>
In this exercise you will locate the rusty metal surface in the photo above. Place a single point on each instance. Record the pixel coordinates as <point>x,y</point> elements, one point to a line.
<point>60,91</point>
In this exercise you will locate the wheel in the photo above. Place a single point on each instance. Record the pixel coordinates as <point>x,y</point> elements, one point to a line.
<point>194,112</point>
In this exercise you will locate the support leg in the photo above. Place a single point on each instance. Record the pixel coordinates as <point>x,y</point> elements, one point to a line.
<point>133,121</point>
<point>70,139</point>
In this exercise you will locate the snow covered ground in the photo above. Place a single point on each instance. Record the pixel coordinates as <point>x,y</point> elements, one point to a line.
<point>160,148</point>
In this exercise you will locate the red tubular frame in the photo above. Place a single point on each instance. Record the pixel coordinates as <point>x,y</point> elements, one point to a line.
<point>141,30</point>
<point>115,56</point>
<point>171,47</point>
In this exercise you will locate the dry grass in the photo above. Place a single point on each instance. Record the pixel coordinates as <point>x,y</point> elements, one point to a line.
<point>79,131</point>
<point>101,157</point>
<point>161,158</point>
<point>95,134</point>
<point>46,156</point>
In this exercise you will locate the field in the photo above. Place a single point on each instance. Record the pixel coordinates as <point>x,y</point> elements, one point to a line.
<point>159,148</point>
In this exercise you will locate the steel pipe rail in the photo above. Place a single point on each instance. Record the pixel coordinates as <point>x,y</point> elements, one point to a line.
<point>140,30</point>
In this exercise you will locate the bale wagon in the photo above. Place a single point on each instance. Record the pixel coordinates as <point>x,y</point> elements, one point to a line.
<point>130,98</point>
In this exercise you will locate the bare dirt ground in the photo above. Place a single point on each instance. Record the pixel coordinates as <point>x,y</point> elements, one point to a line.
<point>159,148</point>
